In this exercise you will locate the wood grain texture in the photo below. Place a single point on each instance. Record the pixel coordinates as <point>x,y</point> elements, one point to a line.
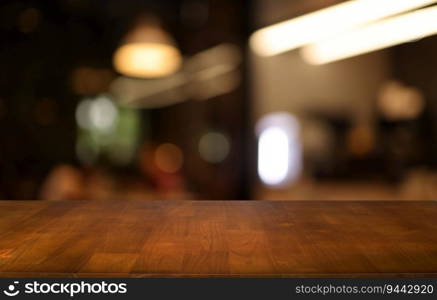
<point>218,238</point>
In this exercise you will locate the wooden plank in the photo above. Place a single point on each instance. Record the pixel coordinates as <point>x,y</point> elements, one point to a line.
<point>218,238</point>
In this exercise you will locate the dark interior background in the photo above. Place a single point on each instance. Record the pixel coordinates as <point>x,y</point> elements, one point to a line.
<point>43,43</point>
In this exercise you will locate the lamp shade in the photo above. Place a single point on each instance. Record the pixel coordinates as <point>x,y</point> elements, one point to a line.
<point>147,52</point>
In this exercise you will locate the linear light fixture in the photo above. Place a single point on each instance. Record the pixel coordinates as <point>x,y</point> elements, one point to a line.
<point>325,23</point>
<point>393,31</point>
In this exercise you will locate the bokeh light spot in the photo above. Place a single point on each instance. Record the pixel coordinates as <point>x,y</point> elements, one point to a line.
<point>169,158</point>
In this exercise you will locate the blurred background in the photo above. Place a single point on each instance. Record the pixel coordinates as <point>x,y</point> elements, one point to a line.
<point>218,99</point>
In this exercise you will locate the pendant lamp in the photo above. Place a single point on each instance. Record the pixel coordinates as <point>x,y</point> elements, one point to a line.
<point>147,51</point>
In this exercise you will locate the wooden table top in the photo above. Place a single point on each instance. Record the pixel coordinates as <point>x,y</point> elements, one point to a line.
<point>218,238</point>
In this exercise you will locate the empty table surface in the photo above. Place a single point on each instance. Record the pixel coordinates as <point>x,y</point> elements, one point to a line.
<point>218,238</point>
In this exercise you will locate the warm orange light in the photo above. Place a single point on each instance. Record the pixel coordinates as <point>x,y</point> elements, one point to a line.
<point>169,158</point>
<point>147,60</point>
<point>147,51</point>
<point>399,102</point>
